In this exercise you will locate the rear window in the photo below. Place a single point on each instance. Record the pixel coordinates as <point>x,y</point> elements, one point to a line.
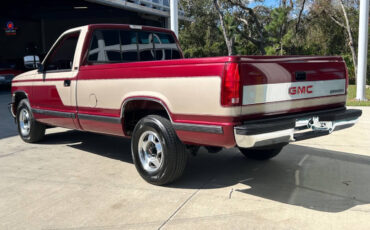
<point>165,47</point>
<point>129,46</point>
<point>113,46</point>
<point>146,46</point>
<point>105,46</point>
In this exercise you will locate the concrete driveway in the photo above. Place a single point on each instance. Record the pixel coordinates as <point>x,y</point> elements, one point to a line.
<point>76,180</point>
<point>7,126</point>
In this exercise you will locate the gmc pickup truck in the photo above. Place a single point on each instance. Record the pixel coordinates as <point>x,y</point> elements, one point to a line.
<point>133,81</point>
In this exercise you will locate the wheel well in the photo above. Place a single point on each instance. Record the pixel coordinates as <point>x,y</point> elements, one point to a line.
<point>135,110</point>
<point>17,98</point>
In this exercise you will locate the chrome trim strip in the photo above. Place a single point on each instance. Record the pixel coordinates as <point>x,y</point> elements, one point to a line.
<point>264,139</point>
<point>338,125</point>
<point>198,128</point>
<point>54,113</point>
<point>114,120</point>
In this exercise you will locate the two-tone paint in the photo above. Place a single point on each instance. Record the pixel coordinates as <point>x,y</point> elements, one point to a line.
<point>94,97</point>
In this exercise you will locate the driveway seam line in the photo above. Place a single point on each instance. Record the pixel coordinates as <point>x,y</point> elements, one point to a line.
<point>178,209</point>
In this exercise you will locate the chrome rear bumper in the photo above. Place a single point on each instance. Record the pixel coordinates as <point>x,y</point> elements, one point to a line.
<point>293,128</point>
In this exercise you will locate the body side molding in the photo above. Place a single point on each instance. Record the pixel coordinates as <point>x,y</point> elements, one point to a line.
<point>54,113</point>
<point>114,120</point>
<point>198,128</point>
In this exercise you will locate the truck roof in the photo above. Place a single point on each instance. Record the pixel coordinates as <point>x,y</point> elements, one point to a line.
<point>120,26</point>
<point>127,26</point>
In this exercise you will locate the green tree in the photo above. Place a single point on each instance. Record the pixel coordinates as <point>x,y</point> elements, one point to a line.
<point>202,36</point>
<point>295,27</point>
<point>279,32</point>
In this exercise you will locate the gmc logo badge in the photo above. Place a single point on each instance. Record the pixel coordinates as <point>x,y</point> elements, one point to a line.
<point>300,90</point>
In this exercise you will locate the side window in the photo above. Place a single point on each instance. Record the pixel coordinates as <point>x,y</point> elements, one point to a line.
<point>114,46</point>
<point>105,46</point>
<point>61,57</point>
<point>129,46</point>
<point>165,47</point>
<point>146,46</point>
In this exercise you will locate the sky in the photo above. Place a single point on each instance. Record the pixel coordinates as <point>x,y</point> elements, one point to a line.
<point>267,3</point>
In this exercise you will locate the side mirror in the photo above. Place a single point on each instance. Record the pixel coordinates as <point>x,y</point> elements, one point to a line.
<point>40,68</point>
<point>31,61</point>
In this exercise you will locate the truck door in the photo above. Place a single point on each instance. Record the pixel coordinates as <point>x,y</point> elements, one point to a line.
<point>53,101</point>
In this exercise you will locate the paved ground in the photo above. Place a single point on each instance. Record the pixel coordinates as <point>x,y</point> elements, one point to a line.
<point>7,126</point>
<point>76,180</point>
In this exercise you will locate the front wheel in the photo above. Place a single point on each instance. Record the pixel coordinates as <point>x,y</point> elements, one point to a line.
<point>262,153</point>
<point>28,128</point>
<point>159,156</point>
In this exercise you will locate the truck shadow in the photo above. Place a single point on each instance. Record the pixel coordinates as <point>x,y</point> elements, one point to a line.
<point>317,179</point>
<point>117,148</point>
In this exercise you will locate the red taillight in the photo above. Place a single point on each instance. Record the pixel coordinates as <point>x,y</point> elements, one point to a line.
<point>230,94</point>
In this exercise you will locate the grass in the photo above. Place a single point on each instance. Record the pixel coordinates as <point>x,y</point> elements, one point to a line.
<point>351,98</point>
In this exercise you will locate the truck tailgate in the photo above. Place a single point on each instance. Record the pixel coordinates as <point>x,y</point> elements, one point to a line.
<point>280,85</point>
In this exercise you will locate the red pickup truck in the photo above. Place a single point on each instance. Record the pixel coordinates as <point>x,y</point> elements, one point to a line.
<point>7,75</point>
<point>132,81</point>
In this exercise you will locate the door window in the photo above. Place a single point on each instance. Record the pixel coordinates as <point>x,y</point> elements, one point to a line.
<point>62,55</point>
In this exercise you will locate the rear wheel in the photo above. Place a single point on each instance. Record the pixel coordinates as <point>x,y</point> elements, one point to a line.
<point>28,128</point>
<point>262,153</point>
<point>159,156</point>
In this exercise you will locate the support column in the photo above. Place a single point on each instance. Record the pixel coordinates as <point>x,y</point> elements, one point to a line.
<point>362,50</point>
<point>174,13</point>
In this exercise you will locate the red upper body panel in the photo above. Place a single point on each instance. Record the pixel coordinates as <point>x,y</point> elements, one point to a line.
<point>10,71</point>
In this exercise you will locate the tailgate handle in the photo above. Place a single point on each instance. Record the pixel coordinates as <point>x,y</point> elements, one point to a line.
<point>300,76</point>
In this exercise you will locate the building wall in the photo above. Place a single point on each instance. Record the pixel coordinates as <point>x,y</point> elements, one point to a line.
<point>37,33</point>
<point>14,46</point>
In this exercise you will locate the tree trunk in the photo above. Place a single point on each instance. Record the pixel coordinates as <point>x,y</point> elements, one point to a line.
<point>350,37</point>
<point>300,16</point>
<point>260,42</point>
<point>229,41</point>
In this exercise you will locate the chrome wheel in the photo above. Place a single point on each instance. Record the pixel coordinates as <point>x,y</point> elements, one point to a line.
<point>25,122</point>
<point>150,151</point>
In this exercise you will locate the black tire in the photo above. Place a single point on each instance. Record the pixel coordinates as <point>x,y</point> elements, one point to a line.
<point>173,157</point>
<point>36,129</point>
<point>262,154</point>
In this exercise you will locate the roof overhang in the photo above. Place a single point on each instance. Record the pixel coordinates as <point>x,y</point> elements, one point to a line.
<point>152,7</point>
